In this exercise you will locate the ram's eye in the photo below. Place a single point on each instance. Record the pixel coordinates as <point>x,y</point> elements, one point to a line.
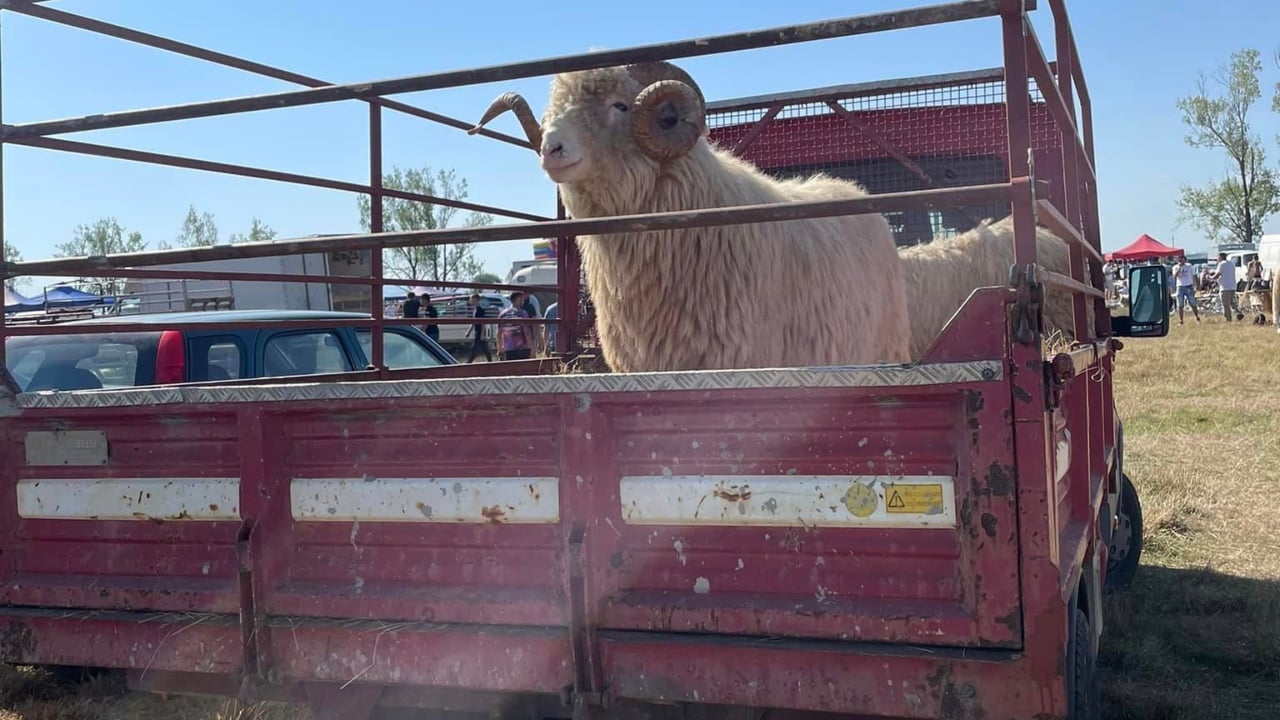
<point>620,106</point>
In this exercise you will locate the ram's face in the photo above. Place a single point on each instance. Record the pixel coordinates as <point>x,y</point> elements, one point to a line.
<point>586,129</point>
<point>603,125</point>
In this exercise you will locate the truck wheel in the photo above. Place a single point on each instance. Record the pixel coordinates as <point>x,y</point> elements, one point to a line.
<point>1125,548</point>
<point>1083,688</point>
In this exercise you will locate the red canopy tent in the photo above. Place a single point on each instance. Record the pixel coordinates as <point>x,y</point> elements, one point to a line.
<point>1144,248</point>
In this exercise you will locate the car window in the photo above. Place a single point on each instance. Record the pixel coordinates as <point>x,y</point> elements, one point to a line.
<point>398,350</point>
<point>304,353</point>
<point>79,362</point>
<point>217,358</point>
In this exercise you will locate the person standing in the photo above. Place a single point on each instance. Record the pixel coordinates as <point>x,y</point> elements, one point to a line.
<point>1184,281</point>
<point>517,340</point>
<point>412,305</point>
<point>433,330</point>
<point>1225,276</point>
<point>479,343</point>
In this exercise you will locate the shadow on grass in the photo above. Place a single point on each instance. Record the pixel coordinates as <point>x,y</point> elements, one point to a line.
<point>1192,645</point>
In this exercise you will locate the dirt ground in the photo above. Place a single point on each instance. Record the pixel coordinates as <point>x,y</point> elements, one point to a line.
<point>1197,637</point>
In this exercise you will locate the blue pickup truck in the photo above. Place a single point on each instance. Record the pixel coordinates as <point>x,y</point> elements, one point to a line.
<point>168,356</point>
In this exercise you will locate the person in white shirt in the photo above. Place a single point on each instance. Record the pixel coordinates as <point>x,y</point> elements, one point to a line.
<point>1225,275</point>
<point>1184,282</point>
<point>1109,279</point>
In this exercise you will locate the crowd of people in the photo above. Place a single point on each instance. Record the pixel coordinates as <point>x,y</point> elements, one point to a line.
<point>516,341</point>
<point>1186,284</point>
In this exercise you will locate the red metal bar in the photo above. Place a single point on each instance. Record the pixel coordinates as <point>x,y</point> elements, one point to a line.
<point>1067,39</point>
<point>178,161</point>
<point>326,323</point>
<point>886,202</point>
<point>758,128</point>
<point>1044,626</point>
<point>310,279</point>
<point>854,90</point>
<point>880,142</point>
<point>1055,221</point>
<point>1066,282</point>
<point>60,17</point>
<point>774,37</point>
<point>1058,104</point>
<point>375,225</point>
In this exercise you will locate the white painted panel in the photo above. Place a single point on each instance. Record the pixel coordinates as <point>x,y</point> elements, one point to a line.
<point>790,500</point>
<point>441,500</point>
<point>170,499</point>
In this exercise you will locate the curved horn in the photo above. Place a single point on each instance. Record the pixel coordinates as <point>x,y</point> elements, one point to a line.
<point>515,103</point>
<point>651,72</point>
<point>669,118</point>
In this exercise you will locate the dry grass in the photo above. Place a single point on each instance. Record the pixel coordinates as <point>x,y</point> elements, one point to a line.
<point>35,694</point>
<point>1197,637</point>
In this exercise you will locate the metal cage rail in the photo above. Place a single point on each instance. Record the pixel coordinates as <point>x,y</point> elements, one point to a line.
<point>1066,207</point>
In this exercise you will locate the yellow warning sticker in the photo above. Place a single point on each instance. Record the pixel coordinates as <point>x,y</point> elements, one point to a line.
<point>913,499</point>
<point>861,500</point>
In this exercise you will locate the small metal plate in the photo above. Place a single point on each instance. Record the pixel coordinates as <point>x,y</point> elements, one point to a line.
<point>67,447</point>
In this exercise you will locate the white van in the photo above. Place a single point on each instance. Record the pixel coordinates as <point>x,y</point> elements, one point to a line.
<point>1269,253</point>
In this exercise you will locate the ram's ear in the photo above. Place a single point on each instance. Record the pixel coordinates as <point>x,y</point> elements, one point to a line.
<point>515,103</point>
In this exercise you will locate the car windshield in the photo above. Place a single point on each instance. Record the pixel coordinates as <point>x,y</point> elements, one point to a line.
<point>80,362</point>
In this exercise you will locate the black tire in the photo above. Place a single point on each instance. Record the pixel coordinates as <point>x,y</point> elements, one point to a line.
<point>1084,690</point>
<point>1125,549</point>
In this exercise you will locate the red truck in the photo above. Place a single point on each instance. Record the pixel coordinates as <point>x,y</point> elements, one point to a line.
<point>929,540</point>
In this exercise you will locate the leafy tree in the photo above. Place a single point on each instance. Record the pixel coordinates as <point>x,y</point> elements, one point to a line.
<point>429,262</point>
<point>198,230</point>
<point>12,255</point>
<point>487,277</point>
<point>258,232</point>
<point>1239,204</point>
<point>103,237</point>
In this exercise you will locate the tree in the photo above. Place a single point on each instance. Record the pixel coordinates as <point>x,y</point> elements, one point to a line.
<point>258,232</point>
<point>197,230</point>
<point>1239,204</point>
<point>487,277</point>
<point>12,255</point>
<point>103,237</point>
<point>425,262</point>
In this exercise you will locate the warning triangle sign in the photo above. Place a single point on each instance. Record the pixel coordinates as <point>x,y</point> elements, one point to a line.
<point>895,500</point>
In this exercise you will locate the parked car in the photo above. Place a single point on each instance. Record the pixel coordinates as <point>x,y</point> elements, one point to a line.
<point>167,356</point>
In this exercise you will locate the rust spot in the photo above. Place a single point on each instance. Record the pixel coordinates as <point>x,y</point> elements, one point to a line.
<point>1011,620</point>
<point>733,493</point>
<point>494,514</point>
<point>424,508</point>
<point>1021,395</point>
<point>1000,479</point>
<point>615,561</point>
<point>973,402</point>
<point>533,491</point>
<point>213,507</point>
<point>989,524</point>
<point>17,643</point>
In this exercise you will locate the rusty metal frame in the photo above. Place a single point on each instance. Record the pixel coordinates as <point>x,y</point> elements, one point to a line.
<point>36,135</point>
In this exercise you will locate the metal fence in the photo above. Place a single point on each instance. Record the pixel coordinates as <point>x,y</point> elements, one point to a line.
<point>999,102</point>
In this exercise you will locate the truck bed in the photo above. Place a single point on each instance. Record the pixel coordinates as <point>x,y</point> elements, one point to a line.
<point>529,534</point>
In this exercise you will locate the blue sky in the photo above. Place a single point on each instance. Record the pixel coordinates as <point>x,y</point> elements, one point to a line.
<point>1139,57</point>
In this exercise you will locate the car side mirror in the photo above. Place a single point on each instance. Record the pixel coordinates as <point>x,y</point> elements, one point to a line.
<point>1149,304</point>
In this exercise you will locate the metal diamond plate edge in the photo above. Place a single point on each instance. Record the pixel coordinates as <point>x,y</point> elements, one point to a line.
<point>824,377</point>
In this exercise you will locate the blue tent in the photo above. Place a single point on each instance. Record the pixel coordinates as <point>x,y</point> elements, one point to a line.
<point>66,296</point>
<point>15,302</point>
